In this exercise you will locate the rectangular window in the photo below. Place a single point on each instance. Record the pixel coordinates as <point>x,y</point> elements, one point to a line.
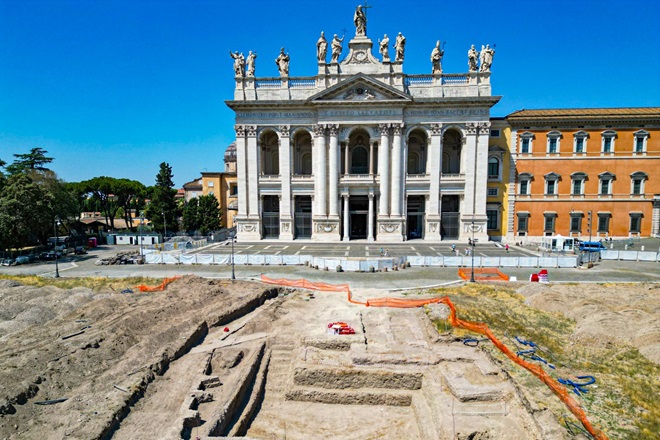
<point>579,145</point>
<point>493,170</point>
<point>576,224</point>
<point>577,187</point>
<point>495,132</point>
<point>639,144</point>
<point>524,187</point>
<point>604,187</point>
<point>492,192</point>
<point>522,224</point>
<point>524,147</point>
<point>549,224</point>
<point>607,145</point>
<point>492,218</point>
<point>603,223</point>
<point>635,223</point>
<point>550,187</point>
<point>552,146</point>
<point>233,190</point>
<point>637,187</point>
<point>210,184</point>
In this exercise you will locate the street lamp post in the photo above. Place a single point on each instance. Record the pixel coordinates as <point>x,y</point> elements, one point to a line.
<point>165,229</point>
<point>472,280</point>
<point>56,223</point>
<point>232,235</point>
<point>141,239</point>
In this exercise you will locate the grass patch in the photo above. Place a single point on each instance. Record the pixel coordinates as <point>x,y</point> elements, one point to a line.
<point>96,284</point>
<point>625,403</point>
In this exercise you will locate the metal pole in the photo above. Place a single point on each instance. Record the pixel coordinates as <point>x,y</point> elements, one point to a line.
<point>165,227</point>
<point>233,276</point>
<point>141,240</point>
<point>472,280</point>
<point>57,269</point>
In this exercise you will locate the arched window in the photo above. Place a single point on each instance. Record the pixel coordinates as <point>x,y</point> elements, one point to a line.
<point>306,163</point>
<point>445,163</point>
<point>413,163</point>
<point>493,168</point>
<point>360,161</point>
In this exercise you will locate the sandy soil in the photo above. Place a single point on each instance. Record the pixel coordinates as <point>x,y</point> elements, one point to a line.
<point>628,313</point>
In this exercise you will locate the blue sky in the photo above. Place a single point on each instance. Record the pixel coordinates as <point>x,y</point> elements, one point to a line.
<point>114,87</point>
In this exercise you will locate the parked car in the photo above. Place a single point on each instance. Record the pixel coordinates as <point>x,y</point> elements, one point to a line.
<point>592,246</point>
<point>9,262</point>
<point>22,259</point>
<point>80,250</point>
<point>51,255</point>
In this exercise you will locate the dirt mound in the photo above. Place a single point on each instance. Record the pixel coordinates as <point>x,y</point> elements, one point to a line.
<point>606,313</point>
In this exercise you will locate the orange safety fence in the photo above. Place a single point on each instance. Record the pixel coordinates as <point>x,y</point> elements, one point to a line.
<point>483,274</point>
<point>477,327</point>
<point>158,288</point>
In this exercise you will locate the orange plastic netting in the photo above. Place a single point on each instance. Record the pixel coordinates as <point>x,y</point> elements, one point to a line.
<point>483,274</point>
<point>477,327</point>
<point>158,288</point>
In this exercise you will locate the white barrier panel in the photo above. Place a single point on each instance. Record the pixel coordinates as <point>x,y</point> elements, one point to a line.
<point>609,255</point>
<point>509,261</point>
<point>222,259</point>
<point>204,259</point>
<point>188,259</point>
<point>153,258</point>
<point>434,261</point>
<point>628,255</point>
<point>307,258</point>
<point>240,259</point>
<point>528,261</point>
<point>331,264</point>
<point>351,265</point>
<point>256,259</point>
<point>453,261</point>
<point>567,262</point>
<point>547,262</point>
<point>467,261</point>
<point>148,251</point>
<point>170,259</point>
<point>490,261</point>
<point>647,256</point>
<point>416,260</point>
<point>277,259</point>
<point>291,259</point>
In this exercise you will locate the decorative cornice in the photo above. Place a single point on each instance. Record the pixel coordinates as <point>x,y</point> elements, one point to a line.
<point>240,130</point>
<point>251,130</point>
<point>319,129</point>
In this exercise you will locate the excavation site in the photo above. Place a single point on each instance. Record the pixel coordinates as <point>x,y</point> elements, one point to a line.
<point>203,359</point>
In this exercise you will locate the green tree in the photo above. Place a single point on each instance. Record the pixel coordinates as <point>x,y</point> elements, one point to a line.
<point>191,216</point>
<point>163,207</point>
<point>101,189</point>
<point>2,175</point>
<point>25,210</point>
<point>35,160</point>
<point>209,214</point>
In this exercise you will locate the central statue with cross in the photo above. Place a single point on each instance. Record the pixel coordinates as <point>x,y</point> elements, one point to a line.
<point>360,19</point>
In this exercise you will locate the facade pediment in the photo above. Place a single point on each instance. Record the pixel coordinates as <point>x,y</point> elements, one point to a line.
<point>360,88</point>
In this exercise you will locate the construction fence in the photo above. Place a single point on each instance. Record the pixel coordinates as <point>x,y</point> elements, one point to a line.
<point>630,255</point>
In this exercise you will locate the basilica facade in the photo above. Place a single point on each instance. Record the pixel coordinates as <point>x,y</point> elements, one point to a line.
<point>362,150</point>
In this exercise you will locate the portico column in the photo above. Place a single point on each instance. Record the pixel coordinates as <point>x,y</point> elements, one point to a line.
<point>371,157</point>
<point>346,171</point>
<point>241,172</point>
<point>370,218</point>
<point>435,162</point>
<point>333,161</point>
<point>285,177</point>
<point>396,170</point>
<point>384,170</point>
<point>346,234</point>
<point>320,179</point>
<point>254,171</point>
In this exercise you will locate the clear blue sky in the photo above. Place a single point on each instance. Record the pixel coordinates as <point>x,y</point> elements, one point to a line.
<point>114,87</point>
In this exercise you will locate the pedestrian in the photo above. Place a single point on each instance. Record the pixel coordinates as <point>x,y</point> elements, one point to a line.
<point>507,248</point>
<point>453,248</point>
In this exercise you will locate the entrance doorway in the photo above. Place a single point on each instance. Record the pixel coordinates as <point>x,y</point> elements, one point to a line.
<point>303,217</point>
<point>271,217</point>
<point>450,217</point>
<point>415,218</point>
<point>358,207</point>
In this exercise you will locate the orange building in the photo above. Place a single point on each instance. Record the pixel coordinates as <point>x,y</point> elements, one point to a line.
<point>576,166</point>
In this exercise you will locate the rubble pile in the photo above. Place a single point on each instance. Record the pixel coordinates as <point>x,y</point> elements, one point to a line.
<point>130,257</point>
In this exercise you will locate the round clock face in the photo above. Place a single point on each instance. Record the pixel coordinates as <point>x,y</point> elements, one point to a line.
<point>360,56</point>
<point>359,90</point>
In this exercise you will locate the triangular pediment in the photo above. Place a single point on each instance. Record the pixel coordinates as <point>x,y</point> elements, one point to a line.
<point>359,88</point>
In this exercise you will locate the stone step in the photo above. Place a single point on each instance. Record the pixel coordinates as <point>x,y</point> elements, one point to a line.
<point>469,386</point>
<point>363,396</point>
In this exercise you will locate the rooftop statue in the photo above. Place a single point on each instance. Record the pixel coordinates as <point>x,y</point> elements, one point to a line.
<point>487,54</point>
<point>473,58</point>
<point>360,20</point>
<point>384,47</point>
<point>400,47</point>
<point>436,58</point>
<point>321,48</point>
<point>282,62</point>
<point>250,63</point>
<point>239,63</point>
<point>336,48</point>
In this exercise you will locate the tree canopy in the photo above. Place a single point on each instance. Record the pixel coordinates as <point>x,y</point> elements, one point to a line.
<point>35,160</point>
<point>202,214</point>
<point>163,211</point>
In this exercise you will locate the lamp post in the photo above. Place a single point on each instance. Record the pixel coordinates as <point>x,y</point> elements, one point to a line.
<point>232,236</point>
<point>56,223</point>
<point>141,239</point>
<point>472,280</point>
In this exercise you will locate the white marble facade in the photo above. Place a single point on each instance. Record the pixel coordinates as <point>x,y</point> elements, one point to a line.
<point>362,151</point>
